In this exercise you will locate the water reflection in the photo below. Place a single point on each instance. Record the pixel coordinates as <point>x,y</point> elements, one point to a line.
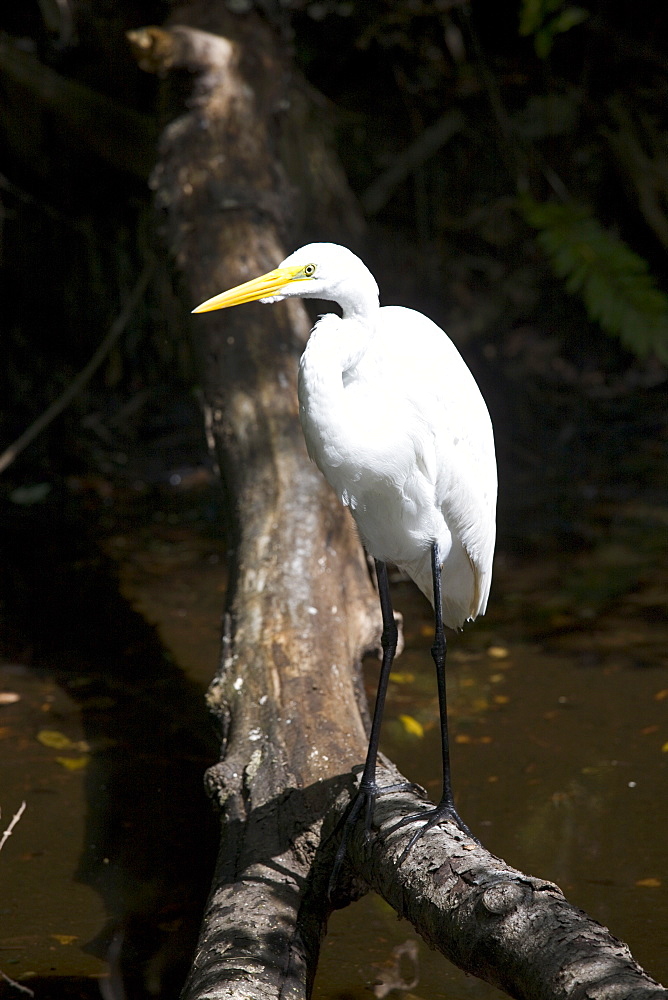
<point>108,739</point>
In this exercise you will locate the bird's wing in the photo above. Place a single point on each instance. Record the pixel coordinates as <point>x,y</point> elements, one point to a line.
<point>453,437</point>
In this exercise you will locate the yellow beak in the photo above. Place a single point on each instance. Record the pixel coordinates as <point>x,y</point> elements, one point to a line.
<point>258,288</point>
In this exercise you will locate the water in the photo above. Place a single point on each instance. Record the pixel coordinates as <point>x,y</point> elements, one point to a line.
<point>558,704</point>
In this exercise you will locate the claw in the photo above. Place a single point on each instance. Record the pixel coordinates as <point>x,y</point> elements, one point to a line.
<point>441,813</point>
<point>365,798</point>
<point>348,822</point>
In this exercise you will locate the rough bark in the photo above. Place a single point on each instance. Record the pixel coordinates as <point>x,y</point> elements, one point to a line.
<point>302,610</point>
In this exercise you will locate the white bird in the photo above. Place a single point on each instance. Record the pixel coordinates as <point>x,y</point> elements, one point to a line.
<point>397,425</point>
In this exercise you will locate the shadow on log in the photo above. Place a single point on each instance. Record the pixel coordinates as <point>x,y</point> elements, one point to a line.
<point>301,611</point>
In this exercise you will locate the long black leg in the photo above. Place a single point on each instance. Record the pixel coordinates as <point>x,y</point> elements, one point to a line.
<point>438,652</point>
<point>445,810</point>
<point>388,641</point>
<point>369,790</point>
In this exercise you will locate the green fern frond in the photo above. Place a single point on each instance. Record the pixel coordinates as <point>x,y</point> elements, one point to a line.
<point>545,19</point>
<point>613,281</point>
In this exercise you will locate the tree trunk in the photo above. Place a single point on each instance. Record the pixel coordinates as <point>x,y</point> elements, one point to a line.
<point>301,610</point>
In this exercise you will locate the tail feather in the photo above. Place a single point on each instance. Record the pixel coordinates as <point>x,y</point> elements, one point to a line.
<point>463,599</point>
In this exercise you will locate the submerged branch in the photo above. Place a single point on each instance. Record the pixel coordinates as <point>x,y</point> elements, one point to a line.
<point>10,829</point>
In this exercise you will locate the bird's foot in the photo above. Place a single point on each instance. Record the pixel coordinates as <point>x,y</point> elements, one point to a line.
<point>364,800</point>
<point>442,813</point>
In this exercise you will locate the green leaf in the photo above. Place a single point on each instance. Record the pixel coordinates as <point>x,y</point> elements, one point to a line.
<point>531,16</point>
<point>545,19</point>
<point>613,281</point>
<point>569,18</point>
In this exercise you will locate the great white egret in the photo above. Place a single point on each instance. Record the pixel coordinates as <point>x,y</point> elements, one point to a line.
<point>397,425</point>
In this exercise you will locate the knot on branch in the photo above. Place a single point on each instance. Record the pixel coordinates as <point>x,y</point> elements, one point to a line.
<point>222,781</point>
<point>502,898</point>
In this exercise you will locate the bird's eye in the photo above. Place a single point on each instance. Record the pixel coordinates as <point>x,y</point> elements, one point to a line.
<point>309,270</point>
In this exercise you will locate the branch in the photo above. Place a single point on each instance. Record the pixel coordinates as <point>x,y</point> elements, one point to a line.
<point>84,376</point>
<point>513,930</point>
<point>5,837</point>
<point>428,142</point>
<point>116,134</point>
<point>17,986</point>
<point>10,829</point>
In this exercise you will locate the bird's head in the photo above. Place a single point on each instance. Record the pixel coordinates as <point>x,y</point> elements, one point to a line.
<point>317,271</point>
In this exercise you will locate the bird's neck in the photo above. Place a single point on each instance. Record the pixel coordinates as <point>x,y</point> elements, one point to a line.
<point>338,344</point>
<point>361,308</point>
<point>329,365</point>
<point>358,300</point>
